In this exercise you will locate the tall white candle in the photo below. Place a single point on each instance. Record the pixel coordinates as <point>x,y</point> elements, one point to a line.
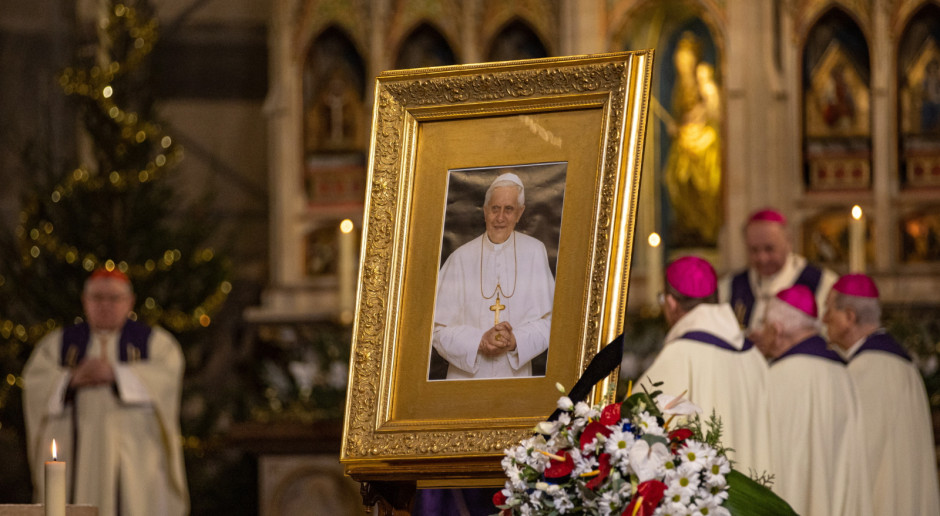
<point>346,270</point>
<point>654,268</point>
<point>54,493</point>
<point>857,240</point>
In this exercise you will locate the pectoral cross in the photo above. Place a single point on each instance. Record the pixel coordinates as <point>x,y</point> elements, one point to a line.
<point>497,307</point>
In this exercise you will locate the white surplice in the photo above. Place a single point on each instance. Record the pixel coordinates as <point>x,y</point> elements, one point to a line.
<point>766,288</point>
<point>898,433</point>
<point>464,299</point>
<point>817,447</point>
<point>731,383</point>
<point>128,434</point>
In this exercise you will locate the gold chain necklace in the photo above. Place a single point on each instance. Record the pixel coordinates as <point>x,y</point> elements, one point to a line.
<point>514,272</point>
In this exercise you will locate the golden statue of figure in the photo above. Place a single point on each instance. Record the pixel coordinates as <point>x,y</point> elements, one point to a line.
<point>693,168</point>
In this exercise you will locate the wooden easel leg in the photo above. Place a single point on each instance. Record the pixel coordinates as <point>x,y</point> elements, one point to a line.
<point>389,498</point>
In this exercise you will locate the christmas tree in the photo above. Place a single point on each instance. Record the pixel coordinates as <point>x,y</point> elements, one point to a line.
<point>116,207</point>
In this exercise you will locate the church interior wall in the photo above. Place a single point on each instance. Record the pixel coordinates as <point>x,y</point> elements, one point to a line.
<point>243,125</point>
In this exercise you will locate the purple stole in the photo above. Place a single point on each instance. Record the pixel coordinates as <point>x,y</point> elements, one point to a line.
<point>882,341</point>
<point>814,346</point>
<point>742,297</point>
<point>132,346</point>
<point>714,340</point>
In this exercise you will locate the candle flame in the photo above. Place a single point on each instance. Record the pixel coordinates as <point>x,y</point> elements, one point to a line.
<point>654,239</point>
<point>856,212</point>
<point>53,450</point>
<point>346,226</point>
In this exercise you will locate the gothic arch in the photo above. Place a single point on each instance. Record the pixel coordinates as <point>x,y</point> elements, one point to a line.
<point>516,39</point>
<point>424,46</point>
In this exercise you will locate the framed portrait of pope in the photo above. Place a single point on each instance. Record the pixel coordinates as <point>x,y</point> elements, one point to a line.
<point>495,261</point>
<point>495,288</point>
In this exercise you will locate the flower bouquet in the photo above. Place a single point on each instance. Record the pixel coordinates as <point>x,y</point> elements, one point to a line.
<point>648,455</point>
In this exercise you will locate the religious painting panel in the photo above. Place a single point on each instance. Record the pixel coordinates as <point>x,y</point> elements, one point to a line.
<point>920,237</point>
<point>335,121</point>
<point>826,239</point>
<point>558,143</point>
<point>686,141</point>
<point>836,105</point>
<point>919,98</point>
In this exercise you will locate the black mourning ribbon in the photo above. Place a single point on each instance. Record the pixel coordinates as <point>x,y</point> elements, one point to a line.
<point>603,363</point>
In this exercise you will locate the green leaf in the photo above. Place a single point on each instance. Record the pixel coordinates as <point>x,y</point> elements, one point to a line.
<point>747,497</point>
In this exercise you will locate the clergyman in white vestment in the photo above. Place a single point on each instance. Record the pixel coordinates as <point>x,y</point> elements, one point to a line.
<point>493,311</point>
<point>108,391</point>
<point>893,402</point>
<point>706,356</point>
<point>817,448</point>
<point>772,267</point>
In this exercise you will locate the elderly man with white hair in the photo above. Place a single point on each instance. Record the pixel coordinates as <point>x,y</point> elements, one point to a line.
<point>816,440</point>
<point>894,408</point>
<point>494,294</point>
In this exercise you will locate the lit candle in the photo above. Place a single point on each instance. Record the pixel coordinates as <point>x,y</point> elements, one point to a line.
<point>346,271</point>
<point>654,268</point>
<point>54,495</point>
<point>857,240</point>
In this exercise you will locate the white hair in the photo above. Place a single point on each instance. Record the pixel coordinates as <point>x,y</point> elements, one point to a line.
<point>792,321</point>
<point>500,182</point>
<point>867,309</point>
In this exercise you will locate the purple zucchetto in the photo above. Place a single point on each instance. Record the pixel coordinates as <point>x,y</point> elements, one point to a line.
<point>768,215</point>
<point>856,285</point>
<point>801,298</point>
<point>692,276</point>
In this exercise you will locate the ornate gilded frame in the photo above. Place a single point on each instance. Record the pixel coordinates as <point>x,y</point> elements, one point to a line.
<point>589,111</point>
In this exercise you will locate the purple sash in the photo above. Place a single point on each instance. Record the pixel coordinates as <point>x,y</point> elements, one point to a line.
<point>132,346</point>
<point>742,297</point>
<point>882,341</point>
<point>814,346</point>
<point>708,338</point>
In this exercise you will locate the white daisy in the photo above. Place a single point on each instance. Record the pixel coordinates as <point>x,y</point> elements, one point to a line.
<point>694,452</point>
<point>649,425</point>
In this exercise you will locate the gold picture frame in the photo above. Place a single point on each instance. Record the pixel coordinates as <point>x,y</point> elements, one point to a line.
<point>588,112</point>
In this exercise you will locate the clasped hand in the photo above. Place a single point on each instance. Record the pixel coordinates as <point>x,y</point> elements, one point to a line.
<point>92,372</point>
<point>498,340</point>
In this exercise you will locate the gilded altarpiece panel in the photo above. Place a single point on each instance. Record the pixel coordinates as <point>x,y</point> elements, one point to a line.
<point>918,79</point>
<point>836,105</point>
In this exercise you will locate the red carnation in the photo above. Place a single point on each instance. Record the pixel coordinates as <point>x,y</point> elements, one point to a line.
<point>648,494</point>
<point>560,468</point>
<point>591,431</point>
<point>610,414</point>
<point>500,499</point>
<point>604,468</point>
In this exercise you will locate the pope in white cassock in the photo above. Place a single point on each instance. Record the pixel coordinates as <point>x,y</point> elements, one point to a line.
<point>816,439</point>
<point>893,401</point>
<point>494,294</point>
<point>108,391</point>
<point>706,356</point>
